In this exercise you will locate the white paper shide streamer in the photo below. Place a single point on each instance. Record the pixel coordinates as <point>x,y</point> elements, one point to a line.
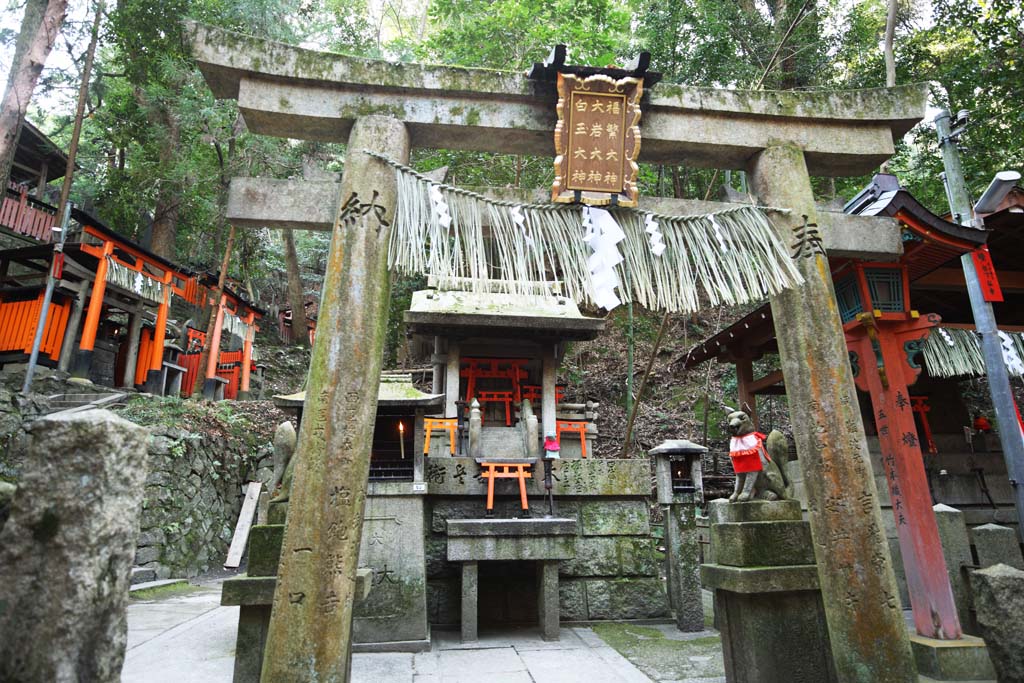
<point>1010,356</point>
<point>602,234</point>
<point>656,239</point>
<point>599,257</point>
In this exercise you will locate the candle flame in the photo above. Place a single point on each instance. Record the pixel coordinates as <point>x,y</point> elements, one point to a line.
<point>401,427</point>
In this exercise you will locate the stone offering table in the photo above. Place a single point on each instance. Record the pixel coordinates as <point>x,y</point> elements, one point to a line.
<point>767,599</point>
<point>546,541</point>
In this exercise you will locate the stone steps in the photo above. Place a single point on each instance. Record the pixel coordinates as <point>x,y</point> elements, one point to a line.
<point>63,402</point>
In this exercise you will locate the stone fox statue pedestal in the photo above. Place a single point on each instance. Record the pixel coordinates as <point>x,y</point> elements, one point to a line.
<point>768,605</point>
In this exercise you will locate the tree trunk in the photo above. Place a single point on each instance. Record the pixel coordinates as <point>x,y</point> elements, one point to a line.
<point>204,355</point>
<point>890,32</point>
<point>165,212</point>
<point>39,29</point>
<point>296,295</point>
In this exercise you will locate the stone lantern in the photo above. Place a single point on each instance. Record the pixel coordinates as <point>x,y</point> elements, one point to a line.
<point>680,492</point>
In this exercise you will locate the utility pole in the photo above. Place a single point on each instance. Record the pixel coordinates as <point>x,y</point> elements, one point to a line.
<point>1010,436</point>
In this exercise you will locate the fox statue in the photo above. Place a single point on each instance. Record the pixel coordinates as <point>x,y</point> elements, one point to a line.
<point>759,461</point>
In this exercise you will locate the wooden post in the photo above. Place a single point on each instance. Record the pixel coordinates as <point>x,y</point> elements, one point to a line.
<point>154,378</point>
<point>747,398</point>
<point>250,331</point>
<point>213,357</point>
<point>83,359</point>
<point>311,624</point>
<point>931,596</point>
<point>867,633</point>
<point>132,357</point>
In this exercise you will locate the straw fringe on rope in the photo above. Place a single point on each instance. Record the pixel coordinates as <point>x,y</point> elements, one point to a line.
<point>547,245</point>
<point>962,358</point>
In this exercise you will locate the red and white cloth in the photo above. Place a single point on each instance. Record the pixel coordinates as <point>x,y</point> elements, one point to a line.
<point>746,451</point>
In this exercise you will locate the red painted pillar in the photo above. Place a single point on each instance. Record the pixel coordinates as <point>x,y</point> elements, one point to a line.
<point>884,367</point>
<point>83,359</point>
<point>210,385</point>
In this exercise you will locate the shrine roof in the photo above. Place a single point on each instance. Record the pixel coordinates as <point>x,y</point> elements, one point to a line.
<point>35,150</point>
<point>395,390</point>
<point>930,242</point>
<point>444,312</point>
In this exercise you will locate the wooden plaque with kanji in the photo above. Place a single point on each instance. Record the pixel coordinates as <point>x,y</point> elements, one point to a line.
<point>597,140</point>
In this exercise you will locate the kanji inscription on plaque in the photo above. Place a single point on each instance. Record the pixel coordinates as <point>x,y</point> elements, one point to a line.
<point>597,139</point>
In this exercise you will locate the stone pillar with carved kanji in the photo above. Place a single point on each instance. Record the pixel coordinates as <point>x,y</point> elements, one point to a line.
<point>311,623</point>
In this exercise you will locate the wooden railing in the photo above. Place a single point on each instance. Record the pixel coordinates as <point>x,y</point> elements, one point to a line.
<point>27,216</point>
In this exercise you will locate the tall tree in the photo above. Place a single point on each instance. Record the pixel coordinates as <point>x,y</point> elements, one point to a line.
<point>39,28</point>
<point>296,292</point>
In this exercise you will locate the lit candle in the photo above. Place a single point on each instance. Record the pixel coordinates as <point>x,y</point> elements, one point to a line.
<point>401,438</point>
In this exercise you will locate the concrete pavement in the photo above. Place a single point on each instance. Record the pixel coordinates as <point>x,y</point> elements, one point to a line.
<point>190,637</point>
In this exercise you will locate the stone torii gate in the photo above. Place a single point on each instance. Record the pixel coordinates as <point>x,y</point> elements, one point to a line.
<point>781,138</point>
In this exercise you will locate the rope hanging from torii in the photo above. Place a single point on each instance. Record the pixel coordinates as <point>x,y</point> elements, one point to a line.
<point>661,262</point>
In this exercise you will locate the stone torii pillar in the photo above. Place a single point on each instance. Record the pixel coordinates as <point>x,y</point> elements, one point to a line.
<point>311,623</point>
<point>862,605</point>
<point>780,136</point>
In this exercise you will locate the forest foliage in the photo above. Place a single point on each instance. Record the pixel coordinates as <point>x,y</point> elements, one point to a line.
<point>158,149</point>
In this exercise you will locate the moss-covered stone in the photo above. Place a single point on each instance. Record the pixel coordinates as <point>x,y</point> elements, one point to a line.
<point>606,518</point>
<point>265,549</point>
<point>626,598</point>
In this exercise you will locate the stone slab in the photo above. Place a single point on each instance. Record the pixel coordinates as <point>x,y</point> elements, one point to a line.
<point>474,548</point>
<point>762,544</point>
<point>591,477</point>
<point>611,556</point>
<point>626,598</point>
<point>614,518</point>
<point>721,511</point>
<point>952,660</point>
<point>997,544</point>
<point>282,89</point>
<point>999,600</point>
<point>264,549</point>
<point>548,526</point>
<point>759,579</point>
<point>392,546</point>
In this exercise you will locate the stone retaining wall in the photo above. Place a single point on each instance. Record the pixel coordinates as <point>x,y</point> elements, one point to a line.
<point>613,576</point>
<point>192,500</point>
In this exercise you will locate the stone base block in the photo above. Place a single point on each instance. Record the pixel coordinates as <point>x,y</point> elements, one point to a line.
<point>721,511</point>
<point>264,549</point>
<point>774,637</point>
<point>763,544</point>
<point>952,660</point>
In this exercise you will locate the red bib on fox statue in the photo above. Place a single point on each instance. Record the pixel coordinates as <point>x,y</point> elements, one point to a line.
<point>745,452</point>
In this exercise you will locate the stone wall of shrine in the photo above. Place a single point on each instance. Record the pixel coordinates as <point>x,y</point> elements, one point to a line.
<point>615,573</point>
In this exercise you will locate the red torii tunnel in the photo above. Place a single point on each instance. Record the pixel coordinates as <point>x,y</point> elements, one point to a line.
<point>101,277</point>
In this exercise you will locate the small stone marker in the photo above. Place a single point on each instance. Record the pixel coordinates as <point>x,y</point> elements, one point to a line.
<point>956,548</point>
<point>237,548</point>
<point>999,599</point>
<point>997,544</point>
<point>66,552</point>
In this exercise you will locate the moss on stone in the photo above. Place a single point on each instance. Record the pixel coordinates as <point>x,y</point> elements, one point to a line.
<point>664,658</point>
<point>169,590</point>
